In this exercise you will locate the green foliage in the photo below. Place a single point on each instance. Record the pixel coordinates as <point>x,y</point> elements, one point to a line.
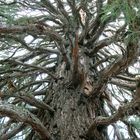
<point>133,36</point>
<point>131,17</point>
<point>8,13</point>
<point>129,12</point>
<point>110,10</point>
<point>24,20</point>
<point>135,122</point>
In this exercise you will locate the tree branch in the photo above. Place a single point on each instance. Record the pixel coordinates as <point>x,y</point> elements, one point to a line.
<point>13,132</point>
<point>30,65</point>
<point>30,99</point>
<point>129,109</point>
<point>123,83</point>
<point>115,68</point>
<point>22,115</point>
<point>33,29</point>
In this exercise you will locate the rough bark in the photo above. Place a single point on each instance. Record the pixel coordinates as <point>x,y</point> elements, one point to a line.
<point>73,114</point>
<point>64,97</point>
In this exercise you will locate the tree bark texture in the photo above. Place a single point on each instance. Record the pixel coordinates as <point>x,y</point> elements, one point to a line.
<point>73,114</point>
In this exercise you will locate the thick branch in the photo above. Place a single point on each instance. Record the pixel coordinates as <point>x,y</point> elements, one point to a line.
<point>129,109</point>
<point>22,115</point>
<point>115,68</point>
<point>30,100</point>
<point>33,101</point>
<point>30,65</point>
<point>123,83</point>
<point>13,132</point>
<point>36,29</point>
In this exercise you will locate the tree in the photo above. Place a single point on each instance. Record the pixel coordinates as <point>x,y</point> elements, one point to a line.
<point>67,69</point>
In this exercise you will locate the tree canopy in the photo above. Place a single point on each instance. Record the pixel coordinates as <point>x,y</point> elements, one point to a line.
<point>64,58</point>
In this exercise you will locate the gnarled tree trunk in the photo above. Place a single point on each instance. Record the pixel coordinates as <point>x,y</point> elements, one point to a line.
<point>65,72</point>
<point>74,112</point>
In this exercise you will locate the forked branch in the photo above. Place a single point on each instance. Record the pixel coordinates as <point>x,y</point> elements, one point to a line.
<point>100,122</point>
<point>22,115</point>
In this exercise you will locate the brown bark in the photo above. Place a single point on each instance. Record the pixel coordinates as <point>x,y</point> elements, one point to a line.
<point>74,84</point>
<point>73,115</point>
<point>73,112</point>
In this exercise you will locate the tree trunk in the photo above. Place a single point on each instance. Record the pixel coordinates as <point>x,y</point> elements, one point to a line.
<point>74,113</point>
<point>71,96</point>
